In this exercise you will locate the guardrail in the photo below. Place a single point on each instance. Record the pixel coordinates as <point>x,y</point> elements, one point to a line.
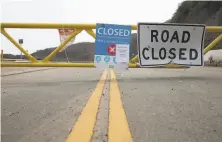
<point>79,28</point>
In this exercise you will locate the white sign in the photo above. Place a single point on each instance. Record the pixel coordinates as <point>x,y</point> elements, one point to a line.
<point>122,53</point>
<point>64,34</point>
<point>162,44</point>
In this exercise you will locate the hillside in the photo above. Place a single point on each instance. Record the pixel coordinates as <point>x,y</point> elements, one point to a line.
<point>201,12</point>
<point>76,52</point>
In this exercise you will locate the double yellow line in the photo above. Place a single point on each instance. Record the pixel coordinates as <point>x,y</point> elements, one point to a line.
<point>118,130</point>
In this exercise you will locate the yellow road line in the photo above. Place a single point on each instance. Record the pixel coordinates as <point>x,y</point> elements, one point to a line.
<point>83,128</point>
<point>118,126</point>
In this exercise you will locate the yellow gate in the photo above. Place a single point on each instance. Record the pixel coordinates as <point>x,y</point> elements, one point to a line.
<point>79,28</point>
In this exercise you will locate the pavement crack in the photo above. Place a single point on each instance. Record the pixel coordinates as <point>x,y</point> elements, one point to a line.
<point>100,132</point>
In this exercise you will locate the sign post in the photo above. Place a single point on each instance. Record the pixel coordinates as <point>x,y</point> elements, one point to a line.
<point>21,42</point>
<point>2,55</point>
<point>162,44</point>
<point>112,46</point>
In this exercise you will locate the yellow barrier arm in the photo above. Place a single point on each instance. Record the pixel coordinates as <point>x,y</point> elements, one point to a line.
<point>213,44</point>
<point>30,57</point>
<point>42,64</point>
<point>77,26</point>
<point>47,25</point>
<point>134,59</point>
<point>50,56</point>
<point>91,32</point>
<point>214,28</point>
<point>89,29</point>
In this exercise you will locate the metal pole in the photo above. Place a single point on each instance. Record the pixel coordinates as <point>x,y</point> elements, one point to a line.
<point>20,43</point>
<point>21,53</point>
<point>66,56</point>
<point>2,55</point>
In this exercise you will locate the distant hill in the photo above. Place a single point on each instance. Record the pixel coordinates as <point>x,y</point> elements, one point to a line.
<point>201,12</point>
<point>77,52</point>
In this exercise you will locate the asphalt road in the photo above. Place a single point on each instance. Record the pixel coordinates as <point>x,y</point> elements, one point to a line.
<point>173,105</point>
<point>43,105</point>
<point>159,105</point>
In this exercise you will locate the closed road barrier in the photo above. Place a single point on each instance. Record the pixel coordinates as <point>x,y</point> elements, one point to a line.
<point>165,45</point>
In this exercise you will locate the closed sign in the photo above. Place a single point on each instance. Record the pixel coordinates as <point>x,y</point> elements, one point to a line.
<point>162,44</point>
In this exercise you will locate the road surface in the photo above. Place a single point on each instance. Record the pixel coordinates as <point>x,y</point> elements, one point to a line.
<point>140,105</point>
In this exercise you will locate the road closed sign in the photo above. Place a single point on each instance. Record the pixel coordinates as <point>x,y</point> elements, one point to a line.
<point>162,44</point>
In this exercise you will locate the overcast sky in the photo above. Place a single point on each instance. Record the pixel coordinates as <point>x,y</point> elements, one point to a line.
<point>76,11</point>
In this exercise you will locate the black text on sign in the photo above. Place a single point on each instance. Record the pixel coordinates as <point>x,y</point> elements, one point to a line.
<point>161,44</point>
